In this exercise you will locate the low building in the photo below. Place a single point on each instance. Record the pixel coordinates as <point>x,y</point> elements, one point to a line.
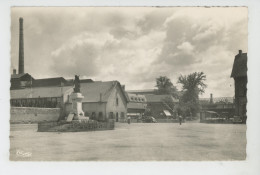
<point>22,80</point>
<point>161,105</point>
<point>136,105</point>
<point>102,100</point>
<point>223,106</point>
<point>239,73</point>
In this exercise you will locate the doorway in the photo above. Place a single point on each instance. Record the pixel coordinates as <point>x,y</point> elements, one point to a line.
<point>117,117</point>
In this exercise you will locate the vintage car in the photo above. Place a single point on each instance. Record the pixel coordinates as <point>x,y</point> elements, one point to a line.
<point>149,119</point>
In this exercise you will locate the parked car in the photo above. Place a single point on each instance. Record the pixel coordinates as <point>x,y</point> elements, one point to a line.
<point>149,119</point>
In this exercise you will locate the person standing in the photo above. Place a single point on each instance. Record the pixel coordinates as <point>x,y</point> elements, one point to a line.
<point>180,119</point>
<point>128,119</point>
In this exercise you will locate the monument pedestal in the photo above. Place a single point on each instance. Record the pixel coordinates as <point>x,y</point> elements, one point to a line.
<point>76,99</point>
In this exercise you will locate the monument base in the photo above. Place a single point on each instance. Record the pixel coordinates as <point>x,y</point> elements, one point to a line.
<point>77,112</point>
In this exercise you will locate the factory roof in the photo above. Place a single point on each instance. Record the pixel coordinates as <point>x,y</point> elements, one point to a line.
<point>92,91</point>
<point>38,92</point>
<point>57,81</point>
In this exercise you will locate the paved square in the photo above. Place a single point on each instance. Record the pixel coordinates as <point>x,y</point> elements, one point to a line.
<point>134,142</point>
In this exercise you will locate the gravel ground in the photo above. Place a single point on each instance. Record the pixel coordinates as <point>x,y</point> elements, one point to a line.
<point>134,142</point>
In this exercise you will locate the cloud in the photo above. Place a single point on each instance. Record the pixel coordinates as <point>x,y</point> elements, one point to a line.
<point>185,47</point>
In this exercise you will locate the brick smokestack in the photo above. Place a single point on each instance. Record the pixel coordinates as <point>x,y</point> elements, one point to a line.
<point>21,48</point>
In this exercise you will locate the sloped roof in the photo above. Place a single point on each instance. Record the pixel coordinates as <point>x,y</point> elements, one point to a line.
<point>38,92</point>
<point>13,76</point>
<point>136,98</point>
<point>159,98</point>
<point>57,81</point>
<point>240,66</point>
<point>92,91</point>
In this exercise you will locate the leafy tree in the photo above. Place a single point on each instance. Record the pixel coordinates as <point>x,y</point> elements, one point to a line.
<point>192,85</point>
<point>165,86</point>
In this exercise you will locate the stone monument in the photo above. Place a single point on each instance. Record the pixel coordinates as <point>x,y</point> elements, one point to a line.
<point>76,98</point>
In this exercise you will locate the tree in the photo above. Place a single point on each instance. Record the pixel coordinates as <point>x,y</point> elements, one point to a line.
<point>165,86</point>
<point>192,86</point>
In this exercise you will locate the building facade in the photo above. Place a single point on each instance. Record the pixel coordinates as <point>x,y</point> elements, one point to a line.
<point>239,73</point>
<point>136,106</point>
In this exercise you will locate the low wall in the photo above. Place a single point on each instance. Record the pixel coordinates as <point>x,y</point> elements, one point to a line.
<point>217,121</point>
<point>33,115</point>
<point>75,126</point>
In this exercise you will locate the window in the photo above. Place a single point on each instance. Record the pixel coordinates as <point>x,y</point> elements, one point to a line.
<point>93,116</point>
<point>117,101</point>
<point>100,116</point>
<point>122,115</point>
<point>111,115</point>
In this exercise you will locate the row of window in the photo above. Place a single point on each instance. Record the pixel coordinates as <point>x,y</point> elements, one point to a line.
<point>53,102</point>
<point>137,99</point>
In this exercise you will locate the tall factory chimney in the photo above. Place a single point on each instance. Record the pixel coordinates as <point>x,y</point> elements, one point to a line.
<point>21,49</point>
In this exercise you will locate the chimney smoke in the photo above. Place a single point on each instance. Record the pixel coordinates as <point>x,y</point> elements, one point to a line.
<point>21,48</point>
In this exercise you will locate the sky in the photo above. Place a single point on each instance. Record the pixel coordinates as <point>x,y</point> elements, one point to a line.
<point>133,45</point>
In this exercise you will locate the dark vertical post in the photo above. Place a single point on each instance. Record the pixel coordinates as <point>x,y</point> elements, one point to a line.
<point>211,99</point>
<point>21,48</point>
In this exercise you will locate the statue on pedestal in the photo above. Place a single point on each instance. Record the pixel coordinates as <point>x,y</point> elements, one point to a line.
<point>76,97</point>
